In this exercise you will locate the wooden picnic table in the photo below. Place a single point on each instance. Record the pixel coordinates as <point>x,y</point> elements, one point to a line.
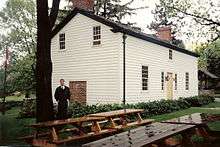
<point>154,133</point>
<point>79,126</point>
<point>123,115</point>
<point>200,120</point>
<point>55,128</point>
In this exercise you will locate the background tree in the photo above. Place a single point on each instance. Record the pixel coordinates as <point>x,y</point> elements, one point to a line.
<point>112,9</point>
<point>18,20</point>
<point>161,19</point>
<point>210,57</point>
<point>197,19</point>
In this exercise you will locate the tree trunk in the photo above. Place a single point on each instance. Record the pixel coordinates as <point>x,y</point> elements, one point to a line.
<point>44,100</point>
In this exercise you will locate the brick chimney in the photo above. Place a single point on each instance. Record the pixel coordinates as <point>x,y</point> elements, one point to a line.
<point>164,33</point>
<point>83,4</point>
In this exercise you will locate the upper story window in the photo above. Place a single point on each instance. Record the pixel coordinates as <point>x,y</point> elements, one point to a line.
<point>162,80</point>
<point>96,35</point>
<point>187,80</point>
<point>175,86</point>
<point>170,54</point>
<point>144,77</point>
<point>62,41</point>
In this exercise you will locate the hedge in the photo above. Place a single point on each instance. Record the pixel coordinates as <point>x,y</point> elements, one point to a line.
<point>150,108</point>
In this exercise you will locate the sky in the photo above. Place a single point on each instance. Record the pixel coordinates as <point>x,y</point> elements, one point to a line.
<point>142,18</point>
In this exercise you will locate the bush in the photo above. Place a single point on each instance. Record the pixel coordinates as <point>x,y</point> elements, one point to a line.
<point>150,108</point>
<point>28,109</point>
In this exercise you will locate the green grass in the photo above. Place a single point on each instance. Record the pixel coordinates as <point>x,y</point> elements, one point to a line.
<point>14,98</point>
<point>12,128</point>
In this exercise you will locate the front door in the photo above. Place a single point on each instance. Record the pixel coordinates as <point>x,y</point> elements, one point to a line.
<point>78,91</point>
<point>169,85</point>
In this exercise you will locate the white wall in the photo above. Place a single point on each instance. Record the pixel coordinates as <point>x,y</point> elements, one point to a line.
<point>81,61</point>
<point>101,66</point>
<point>140,52</point>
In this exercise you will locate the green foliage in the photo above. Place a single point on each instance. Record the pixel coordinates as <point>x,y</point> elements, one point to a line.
<point>18,19</point>
<point>150,108</point>
<point>194,19</point>
<point>114,9</point>
<point>28,108</point>
<point>210,57</point>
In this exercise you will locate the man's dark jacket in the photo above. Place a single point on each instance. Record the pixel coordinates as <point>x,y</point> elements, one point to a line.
<point>61,95</point>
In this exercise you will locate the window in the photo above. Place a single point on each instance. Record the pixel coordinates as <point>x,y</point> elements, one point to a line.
<point>170,54</point>
<point>187,81</point>
<point>62,41</point>
<point>144,77</point>
<point>175,86</point>
<point>162,80</point>
<point>97,35</point>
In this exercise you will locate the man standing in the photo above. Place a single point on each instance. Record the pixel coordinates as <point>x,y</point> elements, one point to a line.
<point>62,94</point>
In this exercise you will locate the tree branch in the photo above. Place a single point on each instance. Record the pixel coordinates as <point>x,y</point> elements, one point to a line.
<point>54,12</point>
<point>196,16</point>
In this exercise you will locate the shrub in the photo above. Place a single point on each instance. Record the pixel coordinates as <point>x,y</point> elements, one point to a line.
<point>28,109</point>
<point>150,108</point>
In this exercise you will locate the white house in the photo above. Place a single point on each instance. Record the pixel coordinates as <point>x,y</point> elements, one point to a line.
<point>106,62</point>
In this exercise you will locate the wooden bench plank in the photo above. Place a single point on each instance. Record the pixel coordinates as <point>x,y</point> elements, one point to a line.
<point>76,138</point>
<point>141,136</point>
<point>117,113</point>
<point>66,121</point>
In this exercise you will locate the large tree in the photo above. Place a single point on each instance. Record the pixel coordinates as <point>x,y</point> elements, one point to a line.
<point>45,24</point>
<point>196,19</point>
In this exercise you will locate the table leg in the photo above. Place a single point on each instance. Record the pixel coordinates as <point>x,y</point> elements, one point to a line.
<point>54,134</point>
<point>112,122</point>
<point>123,120</point>
<point>80,128</point>
<point>202,131</point>
<point>139,117</point>
<point>96,127</point>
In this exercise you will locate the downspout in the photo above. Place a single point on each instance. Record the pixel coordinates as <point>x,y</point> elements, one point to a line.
<point>124,70</point>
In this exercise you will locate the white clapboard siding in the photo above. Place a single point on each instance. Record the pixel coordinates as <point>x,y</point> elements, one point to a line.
<point>140,52</point>
<point>102,66</point>
<point>81,61</point>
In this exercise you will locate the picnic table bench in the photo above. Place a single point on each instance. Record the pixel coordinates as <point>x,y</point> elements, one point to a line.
<point>79,127</point>
<point>154,133</point>
<point>123,115</point>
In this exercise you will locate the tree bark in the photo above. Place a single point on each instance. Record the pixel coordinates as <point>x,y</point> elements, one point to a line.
<point>44,100</point>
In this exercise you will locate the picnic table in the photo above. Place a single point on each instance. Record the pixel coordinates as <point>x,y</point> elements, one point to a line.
<point>123,116</point>
<point>200,120</point>
<point>154,133</point>
<point>49,132</point>
<point>55,127</point>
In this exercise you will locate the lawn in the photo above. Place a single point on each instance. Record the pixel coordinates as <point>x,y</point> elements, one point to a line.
<point>15,98</point>
<point>11,128</point>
